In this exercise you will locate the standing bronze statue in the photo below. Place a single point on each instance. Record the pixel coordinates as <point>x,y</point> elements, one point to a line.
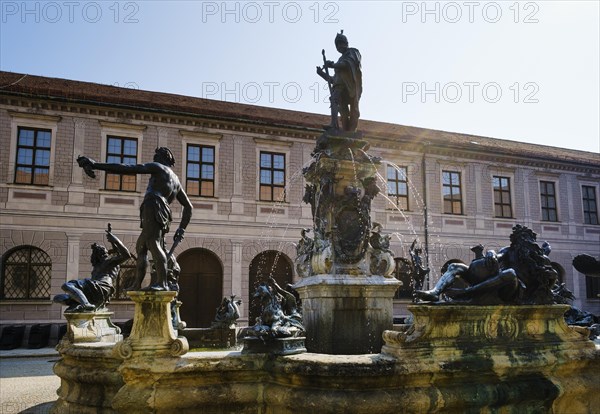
<point>345,85</point>
<point>155,211</point>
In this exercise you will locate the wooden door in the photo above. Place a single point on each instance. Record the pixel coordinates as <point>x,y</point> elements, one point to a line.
<point>200,287</point>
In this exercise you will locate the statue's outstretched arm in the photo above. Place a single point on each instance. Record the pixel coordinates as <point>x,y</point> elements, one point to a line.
<point>89,163</point>
<point>122,251</point>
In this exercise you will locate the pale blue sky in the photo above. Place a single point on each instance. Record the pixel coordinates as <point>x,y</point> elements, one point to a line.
<point>542,57</point>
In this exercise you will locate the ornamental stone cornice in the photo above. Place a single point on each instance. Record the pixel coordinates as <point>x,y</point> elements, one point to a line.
<point>184,120</point>
<point>33,115</point>
<point>178,119</point>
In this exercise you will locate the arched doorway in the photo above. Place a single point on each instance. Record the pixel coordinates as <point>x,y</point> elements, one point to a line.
<point>265,264</point>
<point>200,287</point>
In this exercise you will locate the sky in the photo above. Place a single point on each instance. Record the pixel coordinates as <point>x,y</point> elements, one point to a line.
<point>517,70</point>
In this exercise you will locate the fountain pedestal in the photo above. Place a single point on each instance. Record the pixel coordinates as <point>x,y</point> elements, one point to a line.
<point>347,286</point>
<point>152,333</point>
<point>346,314</point>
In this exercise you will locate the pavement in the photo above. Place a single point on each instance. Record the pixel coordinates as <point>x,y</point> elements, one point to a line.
<point>28,353</point>
<point>27,382</point>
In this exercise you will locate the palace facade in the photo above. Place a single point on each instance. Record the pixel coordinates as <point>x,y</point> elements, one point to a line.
<point>241,167</point>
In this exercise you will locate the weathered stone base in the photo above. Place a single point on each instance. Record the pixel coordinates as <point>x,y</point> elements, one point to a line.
<point>454,359</point>
<point>277,346</point>
<point>524,358</point>
<point>91,327</point>
<point>346,314</point>
<point>152,333</point>
<point>89,378</point>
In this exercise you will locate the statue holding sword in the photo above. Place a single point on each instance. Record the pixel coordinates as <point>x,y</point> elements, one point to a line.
<point>345,86</point>
<point>155,212</point>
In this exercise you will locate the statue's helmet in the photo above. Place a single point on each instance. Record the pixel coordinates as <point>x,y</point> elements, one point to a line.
<point>341,39</point>
<point>164,154</point>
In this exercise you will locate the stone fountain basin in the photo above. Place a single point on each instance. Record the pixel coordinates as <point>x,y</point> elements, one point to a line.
<point>452,359</point>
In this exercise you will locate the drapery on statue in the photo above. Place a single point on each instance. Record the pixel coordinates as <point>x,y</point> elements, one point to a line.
<point>93,293</point>
<point>345,86</point>
<point>155,213</point>
<point>518,274</point>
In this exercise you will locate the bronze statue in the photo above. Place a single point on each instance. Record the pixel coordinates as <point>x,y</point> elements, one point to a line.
<point>586,264</point>
<point>345,86</point>
<point>419,271</point>
<point>93,293</point>
<point>155,213</point>
<point>288,298</point>
<point>227,313</point>
<point>518,274</point>
<point>273,321</point>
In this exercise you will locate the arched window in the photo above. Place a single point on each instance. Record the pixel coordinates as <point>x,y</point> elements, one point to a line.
<point>26,273</point>
<point>126,277</point>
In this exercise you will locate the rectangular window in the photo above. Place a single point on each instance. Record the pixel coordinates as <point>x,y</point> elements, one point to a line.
<point>121,151</point>
<point>502,203</point>
<point>397,182</point>
<point>272,176</point>
<point>592,287</point>
<point>200,172</point>
<point>548,199</point>
<point>403,273</point>
<point>590,205</point>
<point>452,193</point>
<point>33,156</point>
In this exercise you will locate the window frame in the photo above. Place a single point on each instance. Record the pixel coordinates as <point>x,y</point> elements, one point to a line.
<point>589,212</point>
<point>122,156</point>
<point>201,139</point>
<point>200,164</point>
<point>546,196</point>
<point>272,170</point>
<point>452,195</point>
<point>34,147</point>
<point>501,194</point>
<point>128,131</point>
<point>592,288</point>
<point>29,265</point>
<point>33,121</point>
<point>397,181</point>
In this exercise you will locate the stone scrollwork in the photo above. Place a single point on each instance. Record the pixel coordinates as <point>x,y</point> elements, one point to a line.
<point>124,349</point>
<point>498,326</point>
<point>179,346</point>
<point>321,258</point>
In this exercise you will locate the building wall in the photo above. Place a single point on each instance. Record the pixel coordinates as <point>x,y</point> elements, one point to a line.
<point>66,217</point>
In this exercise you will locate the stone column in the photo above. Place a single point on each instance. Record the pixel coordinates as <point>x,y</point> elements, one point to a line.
<point>236,267</point>
<point>72,256</point>
<point>237,199</point>
<point>163,136</point>
<point>76,191</point>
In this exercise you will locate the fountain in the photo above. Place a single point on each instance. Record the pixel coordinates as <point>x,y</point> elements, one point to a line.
<point>492,345</point>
